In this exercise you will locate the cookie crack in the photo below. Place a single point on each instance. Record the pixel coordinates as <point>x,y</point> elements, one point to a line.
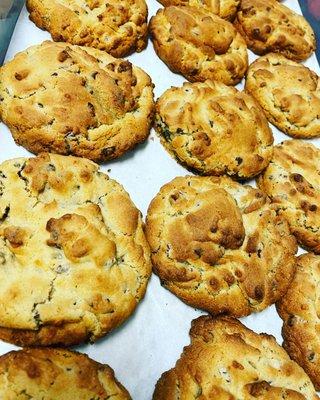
<point>36,315</point>
<point>5,214</point>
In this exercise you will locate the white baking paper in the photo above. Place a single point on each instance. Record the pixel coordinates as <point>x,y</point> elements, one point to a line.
<point>151,340</point>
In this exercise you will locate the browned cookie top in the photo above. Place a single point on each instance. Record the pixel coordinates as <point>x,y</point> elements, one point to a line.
<point>56,374</point>
<point>199,44</point>
<point>300,310</point>
<point>228,361</point>
<point>226,9</point>
<point>214,129</point>
<point>74,259</point>
<point>269,26</point>
<point>118,27</point>
<point>288,92</point>
<point>219,245</point>
<point>292,180</point>
<point>73,100</point>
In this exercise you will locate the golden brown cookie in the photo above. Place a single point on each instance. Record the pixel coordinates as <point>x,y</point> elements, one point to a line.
<point>269,26</point>
<point>225,9</point>
<point>196,124</point>
<point>292,180</point>
<point>117,27</point>
<point>199,45</point>
<point>289,94</point>
<point>74,259</point>
<point>219,245</point>
<point>228,361</point>
<point>70,100</point>
<point>299,309</point>
<point>56,374</point>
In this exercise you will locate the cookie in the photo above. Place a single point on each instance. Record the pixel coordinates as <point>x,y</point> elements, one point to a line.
<point>292,180</point>
<point>74,261</point>
<point>269,26</point>
<point>116,27</point>
<point>199,45</point>
<point>219,245</point>
<point>70,100</point>
<point>196,124</point>
<point>56,374</point>
<point>299,311</point>
<point>226,360</point>
<point>225,9</point>
<point>289,94</point>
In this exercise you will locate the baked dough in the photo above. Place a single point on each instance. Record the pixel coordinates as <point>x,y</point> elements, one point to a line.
<point>118,27</point>
<point>228,361</point>
<point>199,45</point>
<point>269,26</point>
<point>292,180</point>
<point>70,100</point>
<point>74,259</point>
<point>225,9</point>
<point>56,374</point>
<point>196,124</point>
<point>299,309</point>
<point>219,245</point>
<point>289,94</point>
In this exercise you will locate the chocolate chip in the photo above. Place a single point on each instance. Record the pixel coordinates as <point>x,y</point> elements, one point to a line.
<point>21,75</point>
<point>175,196</point>
<point>268,28</point>
<point>92,109</point>
<point>198,252</point>
<point>111,66</point>
<point>297,177</point>
<point>258,293</point>
<point>291,320</point>
<point>51,167</point>
<point>63,55</point>
<point>108,151</point>
<point>256,33</point>
<point>2,258</point>
<point>124,66</point>
<point>313,207</point>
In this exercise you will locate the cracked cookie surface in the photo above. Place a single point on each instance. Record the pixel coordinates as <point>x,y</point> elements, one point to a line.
<point>269,26</point>
<point>196,126</point>
<point>219,245</point>
<point>56,374</point>
<point>226,360</point>
<point>199,45</point>
<point>116,27</point>
<point>225,9</point>
<point>71,100</point>
<point>292,180</point>
<point>289,94</point>
<point>299,309</point>
<point>74,261</point>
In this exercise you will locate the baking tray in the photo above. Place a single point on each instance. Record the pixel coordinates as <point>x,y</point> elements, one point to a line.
<point>149,342</point>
